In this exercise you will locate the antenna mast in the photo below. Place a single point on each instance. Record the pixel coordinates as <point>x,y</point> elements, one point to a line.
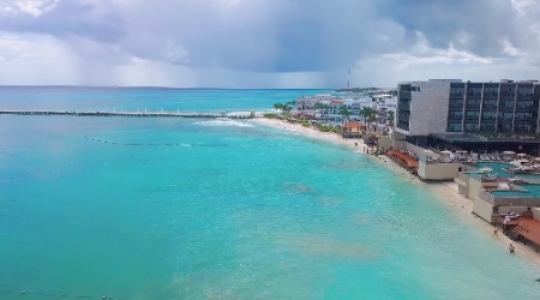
<point>349,79</point>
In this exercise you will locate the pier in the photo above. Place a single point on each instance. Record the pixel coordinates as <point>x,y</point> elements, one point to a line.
<point>161,114</point>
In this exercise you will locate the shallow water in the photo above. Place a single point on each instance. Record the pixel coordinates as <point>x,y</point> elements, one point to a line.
<point>175,209</point>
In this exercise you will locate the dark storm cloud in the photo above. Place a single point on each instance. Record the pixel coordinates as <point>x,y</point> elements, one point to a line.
<point>277,35</point>
<point>73,17</point>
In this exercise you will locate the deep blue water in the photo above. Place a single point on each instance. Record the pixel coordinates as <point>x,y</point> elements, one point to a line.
<point>149,208</point>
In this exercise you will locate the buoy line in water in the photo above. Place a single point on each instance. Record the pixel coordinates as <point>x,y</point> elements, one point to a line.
<point>152,144</point>
<point>24,293</point>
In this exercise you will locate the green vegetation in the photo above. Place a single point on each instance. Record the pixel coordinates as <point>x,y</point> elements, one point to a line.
<point>390,117</point>
<point>285,107</point>
<point>322,107</point>
<point>271,116</point>
<point>327,128</point>
<point>305,123</point>
<point>368,113</point>
<point>344,112</point>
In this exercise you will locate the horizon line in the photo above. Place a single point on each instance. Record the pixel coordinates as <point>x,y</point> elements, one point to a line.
<point>151,87</point>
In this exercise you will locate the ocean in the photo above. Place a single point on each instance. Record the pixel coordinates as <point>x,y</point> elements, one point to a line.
<point>166,208</point>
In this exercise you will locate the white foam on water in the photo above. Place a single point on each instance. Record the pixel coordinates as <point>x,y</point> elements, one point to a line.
<point>223,122</point>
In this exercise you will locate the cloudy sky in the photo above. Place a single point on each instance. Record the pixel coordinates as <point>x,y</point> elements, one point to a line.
<point>266,43</point>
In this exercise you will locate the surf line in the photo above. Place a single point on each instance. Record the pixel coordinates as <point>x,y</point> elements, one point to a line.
<point>184,145</point>
<point>136,144</point>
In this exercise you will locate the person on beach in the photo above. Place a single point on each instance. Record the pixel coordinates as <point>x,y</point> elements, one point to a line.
<point>496,232</point>
<point>506,222</point>
<point>511,249</point>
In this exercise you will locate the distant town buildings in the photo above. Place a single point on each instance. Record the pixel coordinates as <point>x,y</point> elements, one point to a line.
<point>330,108</point>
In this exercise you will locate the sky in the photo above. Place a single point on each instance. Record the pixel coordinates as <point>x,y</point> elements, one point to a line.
<point>266,43</point>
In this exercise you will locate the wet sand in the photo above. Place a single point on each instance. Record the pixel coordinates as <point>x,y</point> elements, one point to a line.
<point>445,192</point>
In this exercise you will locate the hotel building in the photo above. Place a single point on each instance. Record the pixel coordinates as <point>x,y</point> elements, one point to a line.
<point>489,116</point>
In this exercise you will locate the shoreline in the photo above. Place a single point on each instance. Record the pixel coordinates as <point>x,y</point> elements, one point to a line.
<point>446,193</point>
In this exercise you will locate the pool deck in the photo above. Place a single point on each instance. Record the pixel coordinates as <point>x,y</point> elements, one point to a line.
<point>526,227</point>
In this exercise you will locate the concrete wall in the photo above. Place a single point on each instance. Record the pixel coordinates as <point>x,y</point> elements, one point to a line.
<point>399,144</point>
<point>526,202</point>
<point>475,186</point>
<point>536,213</point>
<point>517,209</point>
<point>429,108</point>
<point>385,143</point>
<point>482,209</point>
<point>438,171</point>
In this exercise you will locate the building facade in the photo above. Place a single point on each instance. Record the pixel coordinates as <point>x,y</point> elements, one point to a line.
<point>422,107</point>
<point>494,107</point>
<point>452,107</point>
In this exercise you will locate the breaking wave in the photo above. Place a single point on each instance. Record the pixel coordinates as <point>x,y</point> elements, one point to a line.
<point>222,122</point>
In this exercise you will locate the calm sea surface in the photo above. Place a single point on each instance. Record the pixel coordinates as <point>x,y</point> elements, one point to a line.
<point>149,208</point>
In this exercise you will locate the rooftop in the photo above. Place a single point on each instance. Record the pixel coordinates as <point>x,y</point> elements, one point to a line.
<point>499,169</point>
<point>354,124</point>
<point>488,137</point>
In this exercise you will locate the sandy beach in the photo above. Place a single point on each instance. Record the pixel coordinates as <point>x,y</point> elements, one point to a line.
<point>445,192</point>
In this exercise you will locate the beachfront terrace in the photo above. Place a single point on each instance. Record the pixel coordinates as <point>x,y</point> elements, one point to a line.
<point>405,158</point>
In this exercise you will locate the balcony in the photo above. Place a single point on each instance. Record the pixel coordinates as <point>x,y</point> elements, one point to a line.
<point>456,107</point>
<point>473,104</point>
<point>489,118</point>
<point>491,95</point>
<point>506,108</point>
<point>455,117</point>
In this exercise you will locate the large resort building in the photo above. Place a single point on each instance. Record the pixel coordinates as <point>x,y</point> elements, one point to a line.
<point>480,116</point>
<point>484,136</point>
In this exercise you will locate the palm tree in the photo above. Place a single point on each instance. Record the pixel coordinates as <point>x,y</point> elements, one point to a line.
<point>390,116</point>
<point>372,119</point>
<point>320,106</point>
<point>367,112</point>
<point>344,112</point>
<point>326,107</point>
<point>291,103</point>
<point>278,106</point>
<point>287,107</point>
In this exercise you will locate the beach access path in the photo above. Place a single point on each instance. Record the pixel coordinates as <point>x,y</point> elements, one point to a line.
<point>445,192</point>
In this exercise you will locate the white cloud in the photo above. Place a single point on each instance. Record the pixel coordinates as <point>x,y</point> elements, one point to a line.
<point>264,43</point>
<point>34,8</point>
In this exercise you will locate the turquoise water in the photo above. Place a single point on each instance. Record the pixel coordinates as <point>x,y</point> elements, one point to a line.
<point>193,209</point>
<point>498,168</point>
<point>152,99</point>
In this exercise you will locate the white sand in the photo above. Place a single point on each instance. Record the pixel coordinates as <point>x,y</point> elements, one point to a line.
<point>446,192</point>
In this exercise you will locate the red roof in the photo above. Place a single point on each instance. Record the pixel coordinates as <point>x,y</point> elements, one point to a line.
<point>405,158</point>
<point>354,124</point>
